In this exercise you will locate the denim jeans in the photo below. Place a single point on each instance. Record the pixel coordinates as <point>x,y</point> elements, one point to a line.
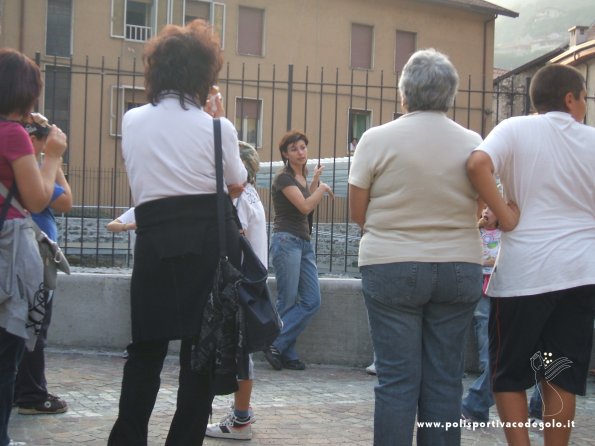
<point>11,351</point>
<point>479,399</point>
<point>536,404</point>
<point>419,313</point>
<point>298,290</point>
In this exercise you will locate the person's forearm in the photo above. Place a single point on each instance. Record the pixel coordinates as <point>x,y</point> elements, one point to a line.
<point>359,199</point>
<point>315,182</point>
<point>49,170</point>
<point>480,171</point>
<point>63,203</point>
<point>312,201</point>
<point>118,226</point>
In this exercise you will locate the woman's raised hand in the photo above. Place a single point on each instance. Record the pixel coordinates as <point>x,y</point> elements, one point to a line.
<point>318,170</point>
<point>326,189</point>
<point>56,143</point>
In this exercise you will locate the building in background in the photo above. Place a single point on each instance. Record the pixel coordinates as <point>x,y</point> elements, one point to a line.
<point>328,67</point>
<point>511,89</point>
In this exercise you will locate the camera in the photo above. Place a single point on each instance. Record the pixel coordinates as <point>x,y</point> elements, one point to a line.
<point>38,127</point>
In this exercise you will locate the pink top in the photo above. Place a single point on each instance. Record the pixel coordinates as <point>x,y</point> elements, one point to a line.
<point>14,144</point>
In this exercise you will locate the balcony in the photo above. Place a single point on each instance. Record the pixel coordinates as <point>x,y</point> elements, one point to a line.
<point>138,33</point>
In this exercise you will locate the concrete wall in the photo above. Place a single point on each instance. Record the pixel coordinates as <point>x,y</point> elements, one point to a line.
<point>92,311</point>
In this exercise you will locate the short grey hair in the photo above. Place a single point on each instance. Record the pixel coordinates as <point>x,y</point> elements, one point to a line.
<point>429,81</point>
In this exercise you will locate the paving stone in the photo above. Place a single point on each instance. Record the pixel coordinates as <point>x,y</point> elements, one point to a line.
<point>319,406</point>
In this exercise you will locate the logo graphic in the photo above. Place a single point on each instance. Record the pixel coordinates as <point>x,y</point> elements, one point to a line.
<point>545,366</point>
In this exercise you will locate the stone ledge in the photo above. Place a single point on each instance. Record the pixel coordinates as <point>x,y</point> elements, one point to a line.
<point>92,310</point>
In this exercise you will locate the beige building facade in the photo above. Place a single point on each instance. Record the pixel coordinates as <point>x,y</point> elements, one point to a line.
<point>328,67</point>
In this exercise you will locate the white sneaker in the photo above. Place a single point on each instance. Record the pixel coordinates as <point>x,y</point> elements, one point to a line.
<point>230,427</point>
<point>371,369</point>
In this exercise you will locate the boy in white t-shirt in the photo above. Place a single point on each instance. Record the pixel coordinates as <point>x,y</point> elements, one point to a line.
<point>543,286</point>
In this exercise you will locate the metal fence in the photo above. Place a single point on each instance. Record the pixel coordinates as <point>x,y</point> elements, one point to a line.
<point>89,101</point>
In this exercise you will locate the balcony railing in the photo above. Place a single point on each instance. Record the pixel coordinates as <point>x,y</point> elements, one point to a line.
<point>138,33</point>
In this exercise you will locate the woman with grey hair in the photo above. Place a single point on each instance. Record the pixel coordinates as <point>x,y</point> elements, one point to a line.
<point>419,256</point>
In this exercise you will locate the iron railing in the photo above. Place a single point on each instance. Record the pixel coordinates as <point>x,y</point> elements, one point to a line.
<point>324,104</point>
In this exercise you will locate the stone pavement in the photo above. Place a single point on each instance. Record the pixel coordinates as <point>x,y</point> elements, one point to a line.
<point>320,406</point>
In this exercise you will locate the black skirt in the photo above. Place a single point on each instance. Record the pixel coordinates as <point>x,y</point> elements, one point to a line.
<point>175,257</point>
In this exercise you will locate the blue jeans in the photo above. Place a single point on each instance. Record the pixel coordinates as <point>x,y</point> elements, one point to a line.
<point>419,313</point>
<point>535,404</point>
<point>298,290</point>
<point>479,399</point>
<point>11,351</point>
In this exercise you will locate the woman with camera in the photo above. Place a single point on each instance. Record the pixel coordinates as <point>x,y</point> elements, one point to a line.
<point>31,394</point>
<point>32,186</point>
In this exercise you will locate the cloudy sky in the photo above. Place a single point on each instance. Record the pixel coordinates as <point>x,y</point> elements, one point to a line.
<point>542,26</point>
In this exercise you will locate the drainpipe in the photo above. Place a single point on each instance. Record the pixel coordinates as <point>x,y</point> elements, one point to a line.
<point>22,26</point>
<point>484,69</point>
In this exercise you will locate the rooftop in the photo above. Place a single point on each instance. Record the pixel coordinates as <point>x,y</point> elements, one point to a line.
<point>476,6</point>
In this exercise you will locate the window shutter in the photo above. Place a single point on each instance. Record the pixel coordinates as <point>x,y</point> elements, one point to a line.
<point>362,40</point>
<point>250,31</point>
<point>404,48</point>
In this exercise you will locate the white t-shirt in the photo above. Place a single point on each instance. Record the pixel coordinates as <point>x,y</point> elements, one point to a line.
<point>253,220</point>
<point>169,151</point>
<point>127,218</point>
<point>422,206</point>
<point>546,164</point>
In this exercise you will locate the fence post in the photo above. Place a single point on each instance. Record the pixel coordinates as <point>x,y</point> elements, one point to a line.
<point>527,98</point>
<point>289,95</point>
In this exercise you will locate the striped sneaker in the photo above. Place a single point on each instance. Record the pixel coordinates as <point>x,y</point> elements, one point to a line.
<point>231,427</point>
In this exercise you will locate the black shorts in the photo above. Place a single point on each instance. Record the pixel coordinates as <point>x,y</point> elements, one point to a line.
<point>546,336</point>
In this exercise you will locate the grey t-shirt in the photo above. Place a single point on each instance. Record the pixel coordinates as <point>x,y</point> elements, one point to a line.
<point>287,217</point>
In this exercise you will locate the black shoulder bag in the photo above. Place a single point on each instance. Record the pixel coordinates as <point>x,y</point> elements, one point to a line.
<point>260,322</point>
<point>244,291</point>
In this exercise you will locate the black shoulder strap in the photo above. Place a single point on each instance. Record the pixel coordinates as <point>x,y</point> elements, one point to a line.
<point>220,192</point>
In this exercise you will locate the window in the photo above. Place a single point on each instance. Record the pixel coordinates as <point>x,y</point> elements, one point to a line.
<point>57,98</point>
<point>404,48</point>
<point>138,19</point>
<point>58,37</point>
<point>212,12</point>
<point>362,46</point>
<point>359,122</point>
<point>123,99</point>
<point>250,31</point>
<point>248,120</point>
